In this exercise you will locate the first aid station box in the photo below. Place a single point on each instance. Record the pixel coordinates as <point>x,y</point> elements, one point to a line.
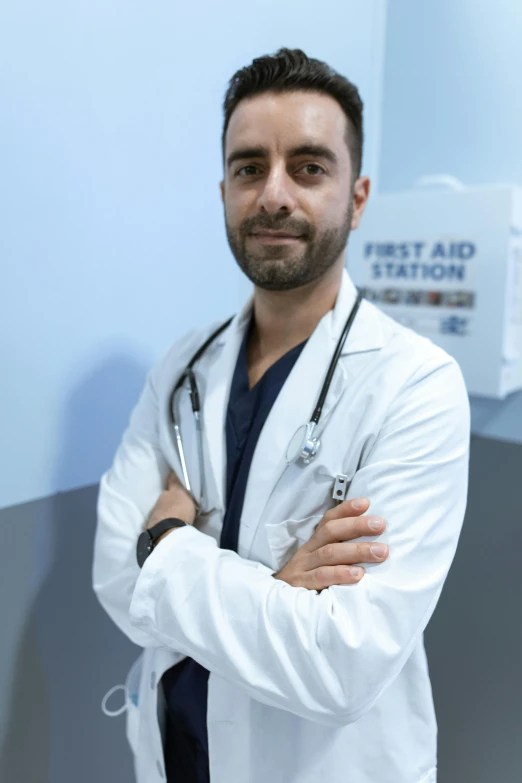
<point>448,264</point>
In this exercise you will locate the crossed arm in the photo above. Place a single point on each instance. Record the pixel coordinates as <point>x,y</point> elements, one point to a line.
<point>325,655</point>
<point>329,556</point>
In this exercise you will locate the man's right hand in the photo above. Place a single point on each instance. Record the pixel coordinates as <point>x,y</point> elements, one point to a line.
<point>326,558</point>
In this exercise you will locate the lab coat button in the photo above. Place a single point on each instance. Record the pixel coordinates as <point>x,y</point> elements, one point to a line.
<point>159,765</point>
<point>153,680</point>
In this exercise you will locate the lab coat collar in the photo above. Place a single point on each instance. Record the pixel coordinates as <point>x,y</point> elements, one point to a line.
<point>365,334</point>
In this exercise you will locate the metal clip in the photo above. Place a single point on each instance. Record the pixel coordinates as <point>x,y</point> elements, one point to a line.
<point>340,487</point>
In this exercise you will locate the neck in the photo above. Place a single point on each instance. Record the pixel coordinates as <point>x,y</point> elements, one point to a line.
<point>283,319</point>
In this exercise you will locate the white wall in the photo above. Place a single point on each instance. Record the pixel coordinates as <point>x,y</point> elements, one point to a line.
<point>452,103</point>
<point>112,240</point>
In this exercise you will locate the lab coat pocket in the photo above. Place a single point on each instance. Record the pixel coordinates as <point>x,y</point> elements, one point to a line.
<point>285,538</point>
<point>132,691</point>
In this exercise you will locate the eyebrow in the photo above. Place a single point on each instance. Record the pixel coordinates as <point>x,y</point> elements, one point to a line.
<point>314,150</point>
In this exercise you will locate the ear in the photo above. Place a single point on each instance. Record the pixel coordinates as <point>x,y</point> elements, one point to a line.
<point>361,192</point>
<point>222,189</point>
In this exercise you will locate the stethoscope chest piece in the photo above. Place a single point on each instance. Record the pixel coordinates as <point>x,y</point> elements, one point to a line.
<point>303,445</point>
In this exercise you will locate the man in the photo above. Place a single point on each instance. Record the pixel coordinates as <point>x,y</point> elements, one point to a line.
<point>267,656</point>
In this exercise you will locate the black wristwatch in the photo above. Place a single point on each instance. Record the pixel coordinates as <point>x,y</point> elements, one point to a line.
<point>149,538</point>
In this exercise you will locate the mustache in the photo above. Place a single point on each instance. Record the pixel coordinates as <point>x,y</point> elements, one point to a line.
<point>268,223</point>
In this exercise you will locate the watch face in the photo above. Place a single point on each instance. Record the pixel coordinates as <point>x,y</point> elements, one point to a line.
<point>144,547</point>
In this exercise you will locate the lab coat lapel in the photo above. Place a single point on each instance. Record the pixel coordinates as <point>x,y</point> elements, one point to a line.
<point>215,382</point>
<point>296,402</point>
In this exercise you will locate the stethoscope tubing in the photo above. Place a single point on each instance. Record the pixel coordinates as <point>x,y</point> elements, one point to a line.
<point>335,359</point>
<point>188,374</point>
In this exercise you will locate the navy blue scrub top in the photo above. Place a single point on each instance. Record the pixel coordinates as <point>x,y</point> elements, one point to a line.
<point>185,685</point>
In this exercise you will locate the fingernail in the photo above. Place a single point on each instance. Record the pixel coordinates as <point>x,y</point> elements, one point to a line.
<point>378,550</point>
<point>375,524</point>
<point>356,572</point>
<point>359,504</point>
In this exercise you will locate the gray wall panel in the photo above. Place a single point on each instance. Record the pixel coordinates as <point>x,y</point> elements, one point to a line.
<point>474,639</point>
<point>59,653</point>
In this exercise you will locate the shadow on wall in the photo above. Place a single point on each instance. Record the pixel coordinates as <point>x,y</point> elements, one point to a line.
<point>68,653</point>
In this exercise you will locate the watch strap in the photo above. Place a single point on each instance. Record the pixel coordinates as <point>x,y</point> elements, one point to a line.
<point>156,531</point>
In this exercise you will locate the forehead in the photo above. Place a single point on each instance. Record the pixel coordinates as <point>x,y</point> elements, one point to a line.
<point>280,121</point>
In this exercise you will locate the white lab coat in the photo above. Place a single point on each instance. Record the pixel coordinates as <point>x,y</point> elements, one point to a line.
<point>304,686</point>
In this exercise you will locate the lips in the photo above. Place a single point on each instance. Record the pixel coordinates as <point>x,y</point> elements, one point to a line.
<point>276,235</point>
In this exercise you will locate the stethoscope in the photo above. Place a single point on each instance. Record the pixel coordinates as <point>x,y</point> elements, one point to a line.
<point>303,446</point>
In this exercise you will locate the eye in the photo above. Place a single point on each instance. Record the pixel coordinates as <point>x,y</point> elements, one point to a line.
<point>319,169</point>
<point>244,168</point>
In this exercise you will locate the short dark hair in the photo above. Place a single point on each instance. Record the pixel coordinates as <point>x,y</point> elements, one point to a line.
<point>290,70</point>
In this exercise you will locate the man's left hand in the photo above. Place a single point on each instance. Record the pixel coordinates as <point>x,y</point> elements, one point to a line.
<point>174,501</point>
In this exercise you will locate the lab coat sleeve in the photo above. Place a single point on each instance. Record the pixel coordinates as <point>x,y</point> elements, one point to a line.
<point>328,656</point>
<point>128,492</point>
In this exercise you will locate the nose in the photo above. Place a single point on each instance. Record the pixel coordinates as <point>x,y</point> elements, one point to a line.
<point>277,195</point>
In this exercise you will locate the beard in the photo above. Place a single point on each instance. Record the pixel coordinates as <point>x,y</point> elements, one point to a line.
<point>285,267</point>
